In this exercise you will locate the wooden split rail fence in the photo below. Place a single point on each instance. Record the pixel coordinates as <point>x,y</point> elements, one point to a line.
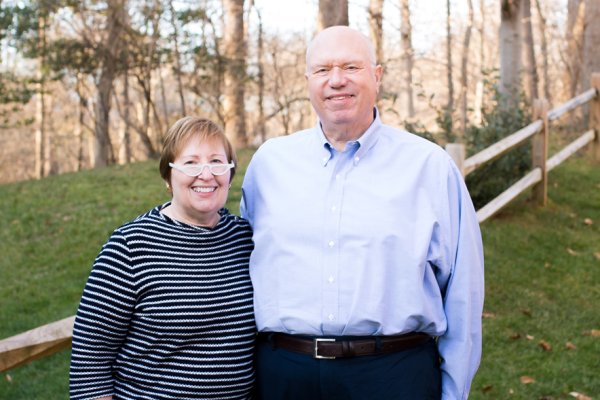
<point>48,339</point>
<point>538,131</point>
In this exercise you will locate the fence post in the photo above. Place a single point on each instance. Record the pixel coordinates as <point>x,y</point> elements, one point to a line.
<point>539,151</point>
<point>457,152</point>
<point>595,115</point>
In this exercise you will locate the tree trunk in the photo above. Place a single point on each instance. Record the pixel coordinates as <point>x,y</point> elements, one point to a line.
<point>376,30</point>
<point>477,105</point>
<point>531,74</point>
<point>591,51</point>
<point>575,29</point>
<point>591,41</point>
<point>260,81</point>
<point>163,95</point>
<point>450,102</point>
<point>331,13</point>
<point>125,137</point>
<point>125,133</point>
<point>177,56</point>
<point>482,59</point>
<point>42,139</point>
<point>144,130</point>
<point>406,63</point>
<point>510,52</point>
<point>149,70</point>
<point>40,134</point>
<point>235,73</point>
<point>79,127</point>
<point>544,49</point>
<point>109,57</point>
<point>102,140</point>
<point>464,70</point>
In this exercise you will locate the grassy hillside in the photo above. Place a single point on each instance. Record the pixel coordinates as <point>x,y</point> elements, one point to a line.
<point>542,275</point>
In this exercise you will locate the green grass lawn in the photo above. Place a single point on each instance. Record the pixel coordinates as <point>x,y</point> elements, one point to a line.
<point>542,275</point>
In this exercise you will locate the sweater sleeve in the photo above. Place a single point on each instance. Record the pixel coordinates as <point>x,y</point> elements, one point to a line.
<point>102,321</point>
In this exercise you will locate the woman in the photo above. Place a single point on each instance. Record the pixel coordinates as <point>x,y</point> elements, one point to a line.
<point>167,309</point>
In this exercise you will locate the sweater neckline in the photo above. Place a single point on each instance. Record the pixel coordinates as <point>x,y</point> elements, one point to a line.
<point>223,212</point>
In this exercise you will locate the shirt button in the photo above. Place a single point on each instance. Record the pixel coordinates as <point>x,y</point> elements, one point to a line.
<point>357,159</point>
<point>333,208</point>
<point>331,279</point>
<point>331,317</point>
<point>331,243</point>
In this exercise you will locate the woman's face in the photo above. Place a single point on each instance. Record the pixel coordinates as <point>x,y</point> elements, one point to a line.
<point>197,200</point>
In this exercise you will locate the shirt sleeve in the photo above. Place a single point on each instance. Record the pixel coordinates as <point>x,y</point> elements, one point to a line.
<point>460,345</point>
<point>102,321</point>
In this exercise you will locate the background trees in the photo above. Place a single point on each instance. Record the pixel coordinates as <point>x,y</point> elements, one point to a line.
<point>90,83</point>
<point>235,72</point>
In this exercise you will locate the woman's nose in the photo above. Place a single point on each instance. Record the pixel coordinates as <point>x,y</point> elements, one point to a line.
<point>205,173</point>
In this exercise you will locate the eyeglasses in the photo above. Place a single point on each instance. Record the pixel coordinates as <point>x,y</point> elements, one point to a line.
<point>193,170</point>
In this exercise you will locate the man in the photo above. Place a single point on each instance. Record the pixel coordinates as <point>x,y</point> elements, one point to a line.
<point>368,262</point>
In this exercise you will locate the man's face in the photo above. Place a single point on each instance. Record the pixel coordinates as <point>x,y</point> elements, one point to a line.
<point>342,81</point>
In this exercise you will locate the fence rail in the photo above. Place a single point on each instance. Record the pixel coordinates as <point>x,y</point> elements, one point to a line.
<point>538,133</point>
<point>36,343</point>
<point>51,338</point>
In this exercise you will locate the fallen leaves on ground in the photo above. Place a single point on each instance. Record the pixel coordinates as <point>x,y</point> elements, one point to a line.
<point>580,396</point>
<point>593,333</point>
<point>597,255</point>
<point>487,314</point>
<point>588,221</point>
<point>526,380</point>
<point>570,346</point>
<point>515,336</point>
<point>572,252</point>
<point>545,345</point>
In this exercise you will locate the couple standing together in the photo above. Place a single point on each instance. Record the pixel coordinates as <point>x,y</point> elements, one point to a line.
<point>358,260</point>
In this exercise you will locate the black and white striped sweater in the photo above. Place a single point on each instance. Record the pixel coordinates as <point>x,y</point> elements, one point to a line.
<point>167,313</point>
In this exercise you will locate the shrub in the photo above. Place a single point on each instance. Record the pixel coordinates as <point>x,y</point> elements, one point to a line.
<point>498,121</point>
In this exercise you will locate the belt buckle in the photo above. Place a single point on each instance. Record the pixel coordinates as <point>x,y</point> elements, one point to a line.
<point>316,354</point>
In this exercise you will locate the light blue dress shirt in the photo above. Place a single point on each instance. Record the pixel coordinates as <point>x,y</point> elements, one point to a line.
<point>380,239</point>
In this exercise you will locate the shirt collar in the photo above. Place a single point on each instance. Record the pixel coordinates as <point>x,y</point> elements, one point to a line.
<point>365,142</point>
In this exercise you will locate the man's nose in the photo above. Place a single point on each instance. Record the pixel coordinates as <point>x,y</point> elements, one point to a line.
<point>337,76</point>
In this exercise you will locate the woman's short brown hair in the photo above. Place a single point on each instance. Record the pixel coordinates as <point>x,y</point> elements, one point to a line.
<point>181,132</point>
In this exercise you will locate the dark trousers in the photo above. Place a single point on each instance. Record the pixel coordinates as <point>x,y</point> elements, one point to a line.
<point>412,374</point>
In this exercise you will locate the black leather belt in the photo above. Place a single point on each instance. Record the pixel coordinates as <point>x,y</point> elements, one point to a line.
<point>330,348</point>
